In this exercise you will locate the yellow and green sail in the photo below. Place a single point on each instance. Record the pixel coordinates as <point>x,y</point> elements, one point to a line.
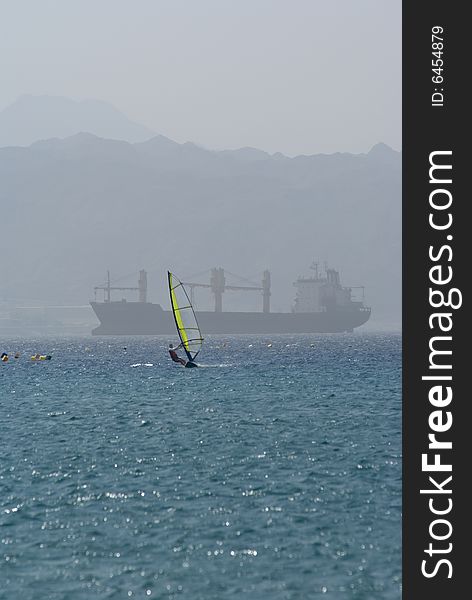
<point>184,316</point>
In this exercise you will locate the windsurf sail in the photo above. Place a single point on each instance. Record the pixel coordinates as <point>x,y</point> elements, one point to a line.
<point>185,319</point>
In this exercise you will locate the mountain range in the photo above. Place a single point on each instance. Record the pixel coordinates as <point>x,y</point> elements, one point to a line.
<point>32,118</point>
<point>72,208</point>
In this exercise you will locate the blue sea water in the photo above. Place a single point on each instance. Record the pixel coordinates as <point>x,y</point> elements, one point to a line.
<point>272,472</point>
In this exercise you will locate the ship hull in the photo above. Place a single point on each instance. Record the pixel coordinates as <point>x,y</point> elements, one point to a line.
<point>137,318</point>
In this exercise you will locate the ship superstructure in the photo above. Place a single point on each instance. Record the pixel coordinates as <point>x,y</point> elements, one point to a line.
<point>323,291</point>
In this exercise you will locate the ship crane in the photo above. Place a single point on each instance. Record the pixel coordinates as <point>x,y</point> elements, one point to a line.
<point>108,288</point>
<point>218,286</point>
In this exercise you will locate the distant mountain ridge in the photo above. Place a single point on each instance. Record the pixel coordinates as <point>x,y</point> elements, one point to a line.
<point>32,118</point>
<point>74,207</point>
<point>167,151</point>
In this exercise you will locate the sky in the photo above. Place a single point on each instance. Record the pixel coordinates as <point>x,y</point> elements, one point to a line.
<point>290,76</point>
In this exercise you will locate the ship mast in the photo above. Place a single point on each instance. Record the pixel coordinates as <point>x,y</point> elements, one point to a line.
<point>108,288</point>
<point>314,267</point>
<point>218,286</point>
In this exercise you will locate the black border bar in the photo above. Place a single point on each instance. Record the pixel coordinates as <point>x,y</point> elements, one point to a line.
<point>429,127</point>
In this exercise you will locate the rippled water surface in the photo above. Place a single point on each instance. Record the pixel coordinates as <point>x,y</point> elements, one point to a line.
<point>273,472</point>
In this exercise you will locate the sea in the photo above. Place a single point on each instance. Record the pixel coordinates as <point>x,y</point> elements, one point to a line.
<point>272,472</point>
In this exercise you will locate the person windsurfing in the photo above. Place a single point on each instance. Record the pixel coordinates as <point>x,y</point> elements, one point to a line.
<point>175,357</point>
<point>185,322</point>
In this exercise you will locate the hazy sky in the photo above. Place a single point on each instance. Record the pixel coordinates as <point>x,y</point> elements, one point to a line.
<point>296,76</point>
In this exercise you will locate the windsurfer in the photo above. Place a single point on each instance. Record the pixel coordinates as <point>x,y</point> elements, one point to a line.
<point>175,357</point>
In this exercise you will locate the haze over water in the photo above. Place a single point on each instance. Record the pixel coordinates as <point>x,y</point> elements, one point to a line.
<point>273,472</point>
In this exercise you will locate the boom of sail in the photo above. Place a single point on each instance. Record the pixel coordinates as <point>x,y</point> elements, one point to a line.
<point>185,319</point>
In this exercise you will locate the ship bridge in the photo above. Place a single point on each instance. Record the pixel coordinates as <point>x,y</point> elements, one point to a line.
<point>323,291</point>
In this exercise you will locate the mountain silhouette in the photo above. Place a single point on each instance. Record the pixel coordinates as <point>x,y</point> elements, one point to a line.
<point>74,207</point>
<point>32,118</point>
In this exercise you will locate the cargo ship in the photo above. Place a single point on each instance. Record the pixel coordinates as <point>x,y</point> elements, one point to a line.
<point>321,305</point>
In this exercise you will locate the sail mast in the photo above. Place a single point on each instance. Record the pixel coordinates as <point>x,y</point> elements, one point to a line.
<point>184,317</point>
